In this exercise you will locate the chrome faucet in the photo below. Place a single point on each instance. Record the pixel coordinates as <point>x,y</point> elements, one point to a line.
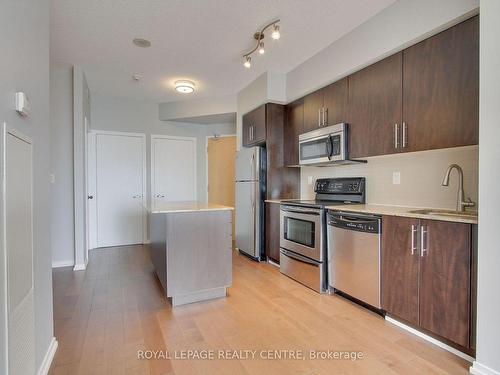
<point>461,203</point>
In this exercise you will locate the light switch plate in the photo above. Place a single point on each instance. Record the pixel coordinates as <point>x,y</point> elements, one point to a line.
<point>52,178</point>
<point>396,178</point>
<point>309,180</point>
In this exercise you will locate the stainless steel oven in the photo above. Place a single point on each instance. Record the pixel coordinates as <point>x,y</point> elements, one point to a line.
<point>302,245</point>
<point>325,145</point>
<point>302,231</point>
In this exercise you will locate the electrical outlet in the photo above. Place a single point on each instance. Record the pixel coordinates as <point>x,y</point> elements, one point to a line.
<point>396,178</point>
<point>309,180</point>
<point>52,178</point>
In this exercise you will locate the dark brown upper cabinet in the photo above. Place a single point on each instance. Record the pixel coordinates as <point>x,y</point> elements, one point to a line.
<point>327,106</point>
<point>293,128</point>
<point>313,105</point>
<point>375,101</point>
<point>441,89</point>
<point>335,97</point>
<point>427,275</point>
<point>400,262</point>
<point>254,127</point>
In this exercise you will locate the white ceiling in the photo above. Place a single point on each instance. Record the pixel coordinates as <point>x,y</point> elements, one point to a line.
<point>200,40</point>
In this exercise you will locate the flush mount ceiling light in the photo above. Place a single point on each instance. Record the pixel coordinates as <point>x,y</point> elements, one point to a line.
<point>184,86</point>
<point>143,43</point>
<point>259,37</point>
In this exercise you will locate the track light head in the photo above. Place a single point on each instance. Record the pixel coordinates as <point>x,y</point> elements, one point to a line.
<point>261,48</point>
<point>276,33</point>
<point>247,63</point>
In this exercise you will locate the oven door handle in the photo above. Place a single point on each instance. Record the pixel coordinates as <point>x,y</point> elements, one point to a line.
<point>300,211</point>
<point>299,258</point>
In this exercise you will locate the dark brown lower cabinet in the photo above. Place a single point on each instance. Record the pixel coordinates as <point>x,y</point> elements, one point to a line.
<point>445,277</point>
<point>427,275</point>
<point>400,268</point>
<point>273,231</point>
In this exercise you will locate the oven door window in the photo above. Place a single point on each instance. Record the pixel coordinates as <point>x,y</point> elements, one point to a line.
<point>315,149</point>
<point>299,231</point>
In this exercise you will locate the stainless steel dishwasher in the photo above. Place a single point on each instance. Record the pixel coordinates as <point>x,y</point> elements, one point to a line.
<point>354,255</point>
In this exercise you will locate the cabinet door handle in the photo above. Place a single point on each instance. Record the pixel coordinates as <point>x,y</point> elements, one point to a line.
<point>250,132</point>
<point>405,135</point>
<point>319,117</point>
<point>325,116</point>
<point>423,240</point>
<point>413,238</point>
<point>396,136</point>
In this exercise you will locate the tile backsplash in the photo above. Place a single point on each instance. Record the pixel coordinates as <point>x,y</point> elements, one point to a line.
<point>421,174</point>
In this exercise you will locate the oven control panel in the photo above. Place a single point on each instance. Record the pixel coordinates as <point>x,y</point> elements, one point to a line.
<point>349,185</point>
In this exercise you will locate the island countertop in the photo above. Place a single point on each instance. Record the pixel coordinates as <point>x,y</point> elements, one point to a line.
<point>188,206</point>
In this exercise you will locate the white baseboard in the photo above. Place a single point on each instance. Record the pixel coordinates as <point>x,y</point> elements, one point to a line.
<point>430,339</point>
<point>273,263</point>
<point>49,356</point>
<point>479,369</point>
<point>63,263</point>
<point>80,267</point>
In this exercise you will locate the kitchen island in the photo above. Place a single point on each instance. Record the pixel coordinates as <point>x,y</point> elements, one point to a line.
<point>191,249</point>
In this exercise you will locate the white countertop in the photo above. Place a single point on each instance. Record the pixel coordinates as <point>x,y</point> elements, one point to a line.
<point>188,206</point>
<point>401,211</point>
<point>279,200</point>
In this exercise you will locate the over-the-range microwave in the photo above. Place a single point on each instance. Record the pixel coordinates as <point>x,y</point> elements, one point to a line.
<point>324,146</point>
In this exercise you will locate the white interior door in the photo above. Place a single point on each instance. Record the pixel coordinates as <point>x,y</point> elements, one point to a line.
<point>91,192</point>
<point>120,160</point>
<point>173,169</point>
<point>18,231</point>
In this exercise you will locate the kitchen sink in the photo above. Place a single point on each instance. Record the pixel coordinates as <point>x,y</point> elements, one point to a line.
<point>451,213</point>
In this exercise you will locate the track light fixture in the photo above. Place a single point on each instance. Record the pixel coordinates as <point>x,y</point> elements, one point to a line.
<point>259,37</point>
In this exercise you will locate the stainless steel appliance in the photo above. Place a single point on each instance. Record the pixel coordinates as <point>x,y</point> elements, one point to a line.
<point>325,145</point>
<point>249,201</point>
<point>303,254</point>
<point>354,255</point>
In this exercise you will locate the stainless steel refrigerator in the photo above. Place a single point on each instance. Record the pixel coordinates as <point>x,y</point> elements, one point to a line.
<point>249,201</point>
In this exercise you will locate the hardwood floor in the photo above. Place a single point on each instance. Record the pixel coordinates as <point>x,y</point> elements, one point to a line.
<point>105,314</point>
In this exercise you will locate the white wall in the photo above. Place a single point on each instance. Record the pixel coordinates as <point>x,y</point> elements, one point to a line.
<point>391,30</point>
<point>61,164</point>
<point>488,299</point>
<point>24,65</point>
<point>197,107</point>
<point>421,177</point>
<point>128,115</point>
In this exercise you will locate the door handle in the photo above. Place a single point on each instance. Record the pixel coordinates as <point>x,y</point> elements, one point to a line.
<point>405,135</point>
<point>90,197</point>
<point>396,136</point>
<point>329,147</point>
<point>413,237</point>
<point>423,240</point>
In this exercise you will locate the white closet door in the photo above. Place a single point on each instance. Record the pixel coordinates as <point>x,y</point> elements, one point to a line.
<point>120,189</point>
<point>18,231</point>
<point>174,169</point>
